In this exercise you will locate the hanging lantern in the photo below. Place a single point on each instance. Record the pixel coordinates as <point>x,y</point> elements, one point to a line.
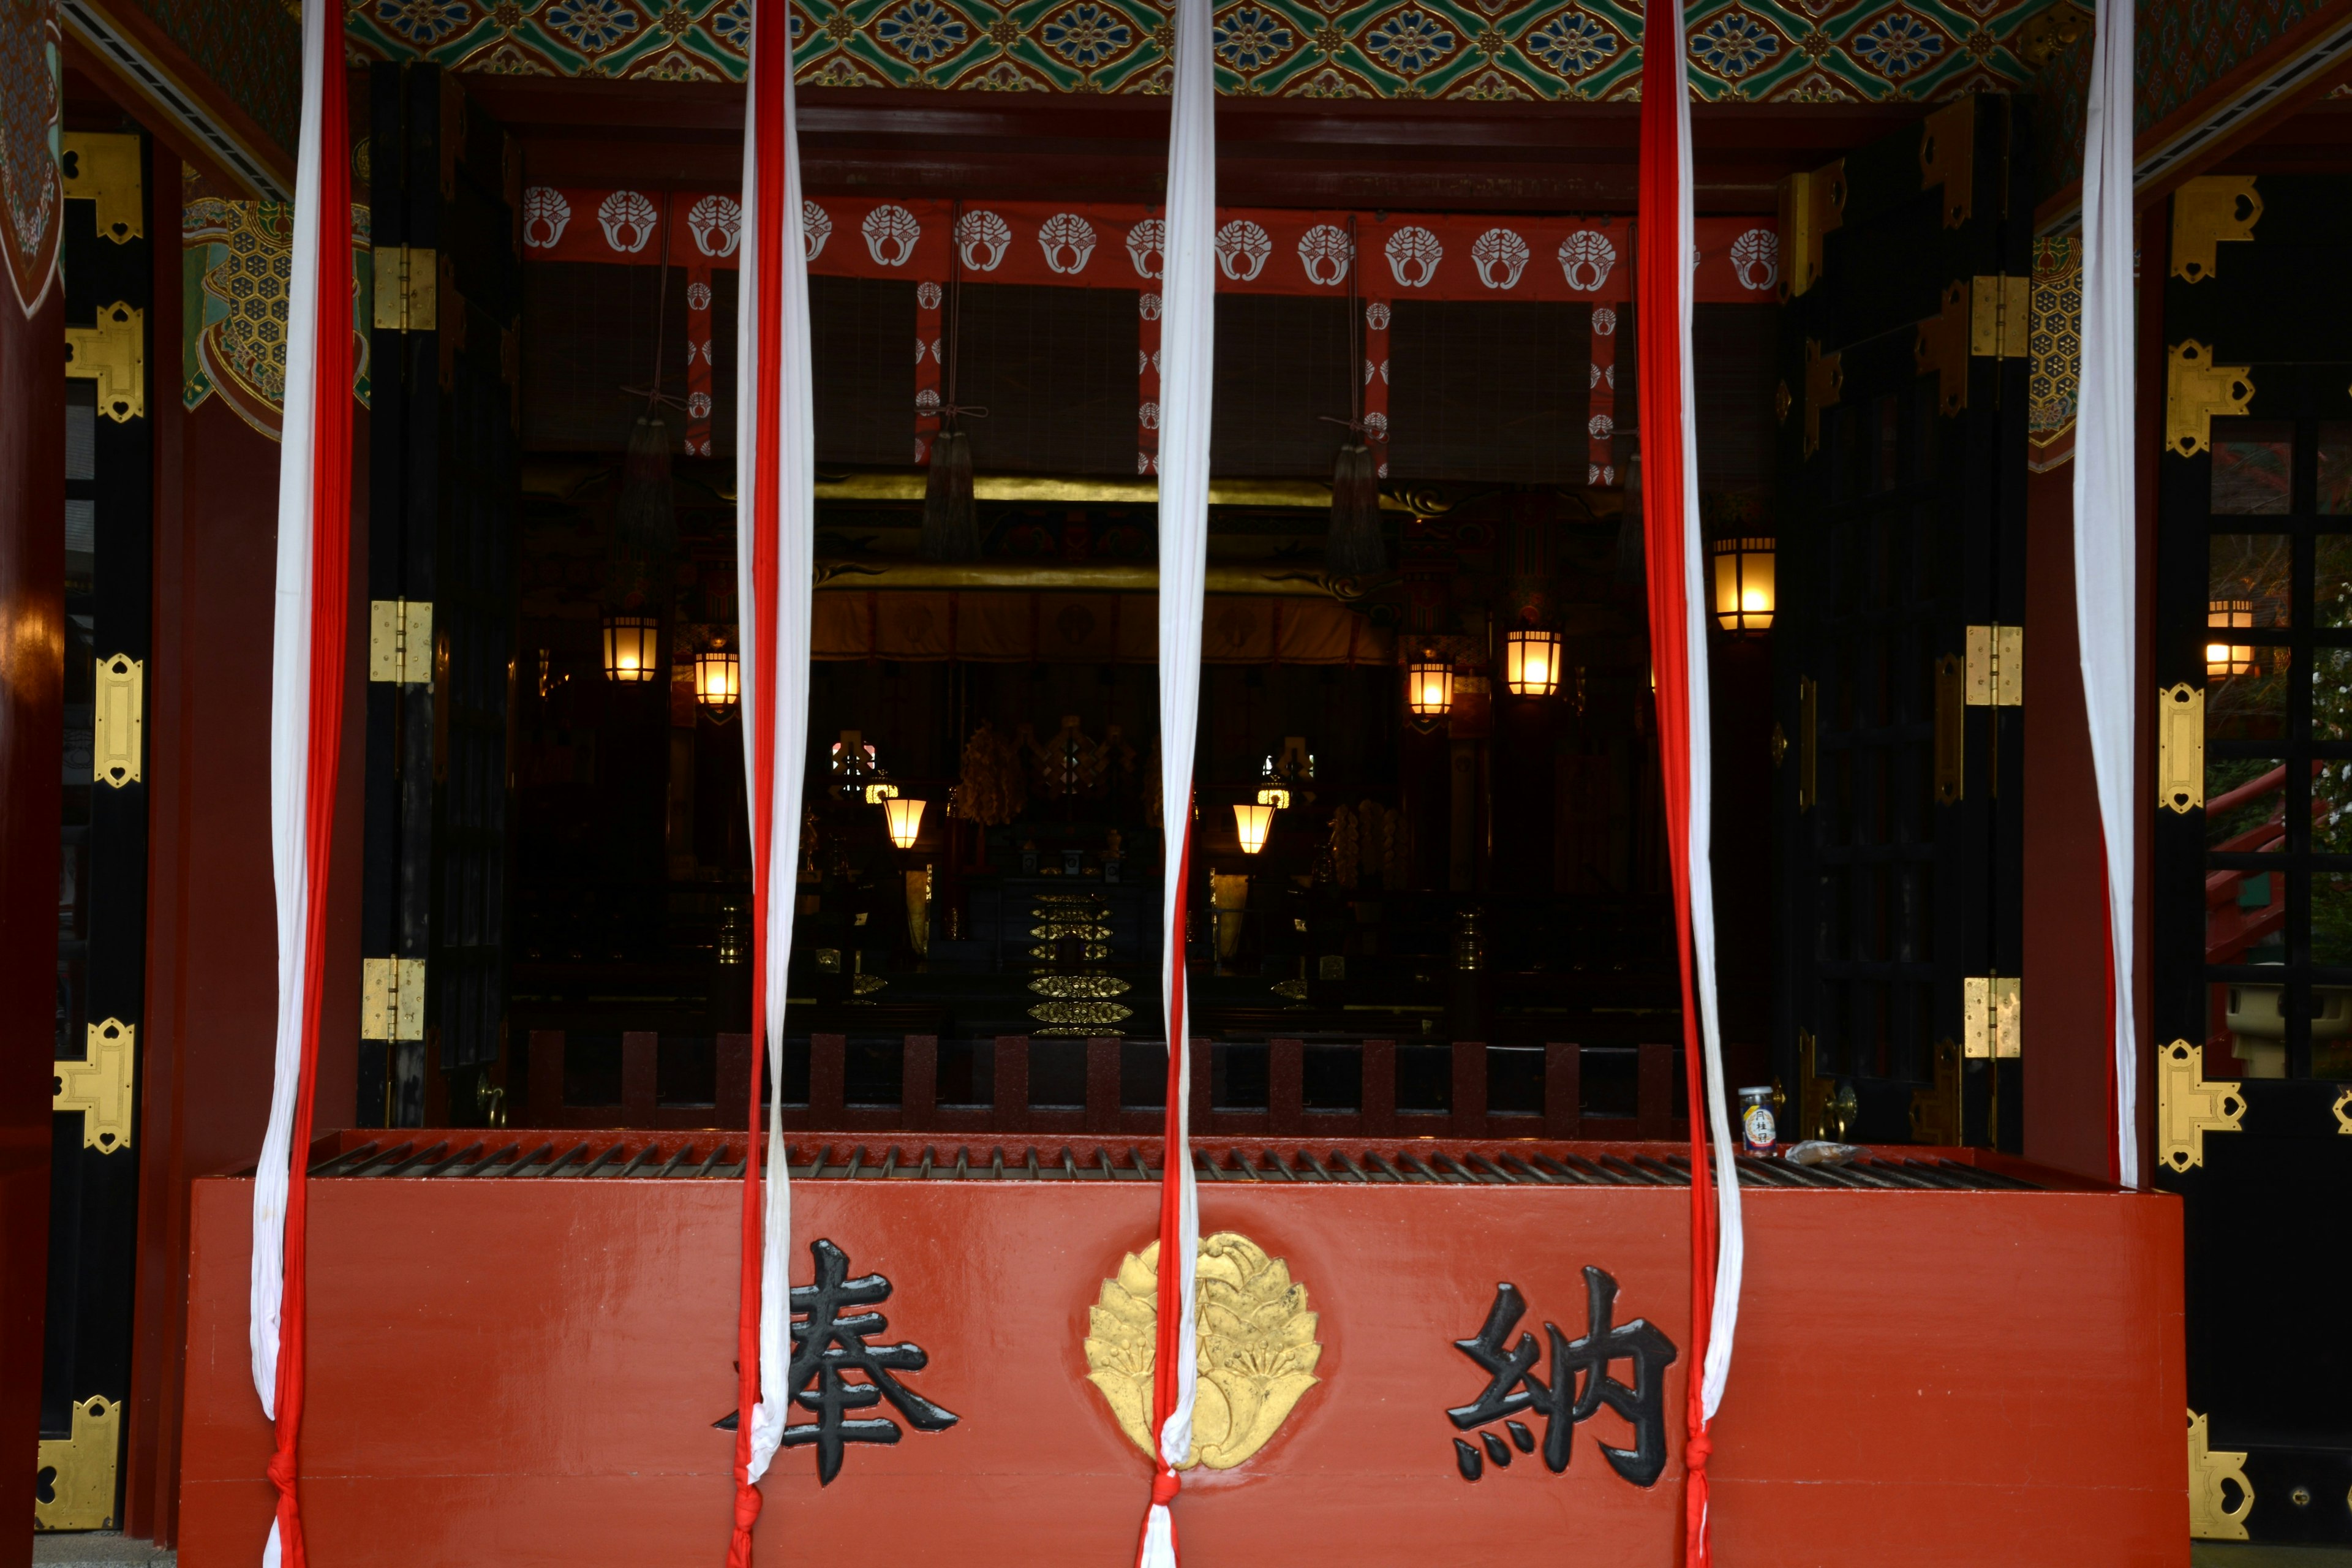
<point>2224,659</point>
<point>717,681</point>
<point>1743,585</point>
<point>904,814</point>
<point>632,648</point>
<point>1531,661</point>
<point>1429,687</point>
<point>1276,797</point>
<point>1253,823</point>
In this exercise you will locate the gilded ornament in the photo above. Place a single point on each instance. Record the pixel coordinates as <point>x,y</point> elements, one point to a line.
<point>1257,1347</point>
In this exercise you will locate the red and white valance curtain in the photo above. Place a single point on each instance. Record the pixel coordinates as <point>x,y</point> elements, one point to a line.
<point>776,459</point>
<point>306,720</point>
<point>1677,546</point>
<point>2106,559</point>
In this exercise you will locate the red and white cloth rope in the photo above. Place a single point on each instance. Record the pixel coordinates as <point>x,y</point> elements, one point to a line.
<point>776,444</point>
<point>2106,550</point>
<point>1663,289</point>
<point>306,726</point>
<point>1187,354</point>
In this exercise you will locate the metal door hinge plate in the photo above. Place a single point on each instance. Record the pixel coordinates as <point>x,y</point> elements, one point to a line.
<point>2205,212</point>
<point>1810,206</point>
<point>2343,1109</point>
<point>1993,1017</point>
<point>2196,389</point>
<point>2180,748</point>
<point>77,1472</point>
<point>98,1086</point>
<point>1951,730</point>
<point>2188,1108</point>
<point>2210,1517</point>
<point>1996,667</point>
<point>2001,316</point>
<point>118,721</point>
<point>1942,350</point>
<point>392,999</point>
<point>1948,157</point>
<point>103,167</point>
<point>400,641</point>
<point>407,295</point>
<point>113,353</point>
<point>1824,381</point>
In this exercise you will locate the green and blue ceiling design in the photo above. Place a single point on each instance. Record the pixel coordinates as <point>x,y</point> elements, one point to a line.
<point>1828,51</point>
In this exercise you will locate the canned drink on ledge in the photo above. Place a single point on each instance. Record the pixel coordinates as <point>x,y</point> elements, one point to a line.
<point>1759,1133</point>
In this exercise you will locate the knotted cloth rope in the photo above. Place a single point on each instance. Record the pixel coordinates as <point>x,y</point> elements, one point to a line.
<point>775,550</point>
<point>1677,585</point>
<point>1186,354</point>
<point>307,649</point>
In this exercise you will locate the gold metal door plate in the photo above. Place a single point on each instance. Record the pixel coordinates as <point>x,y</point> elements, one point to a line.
<point>2188,1108</point>
<point>1824,380</point>
<point>103,167</point>
<point>1948,157</point>
<point>2196,389</point>
<point>392,999</point>
<point>1811,206</point>
<point>2180,748</point>
<point>400,641</point>
<point>113,353</point>
<point>98,1086</point>
<point>77,1472</point>
<point>1942,350</point>
<point>118,721</point>
<point>1993,1017</point>
<point>1996,667</point>
<point>2205,212</point>
<point>1951,730</point>
<point>2209,1516</point>
<point>406,288</point>
<point>2343,1109</point>
<point>2001,317</point>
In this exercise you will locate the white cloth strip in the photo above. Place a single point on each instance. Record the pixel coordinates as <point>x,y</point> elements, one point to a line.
<point>290,719</point>
<point>2106,524</point>
<point>776,658</point>
<point>1187,354</point>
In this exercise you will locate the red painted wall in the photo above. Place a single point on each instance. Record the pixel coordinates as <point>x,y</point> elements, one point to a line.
<point>32,694</point>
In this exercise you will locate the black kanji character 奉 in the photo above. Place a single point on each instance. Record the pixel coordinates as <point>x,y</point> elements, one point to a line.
<point>826,1343</point>
<point>1513,1385</point>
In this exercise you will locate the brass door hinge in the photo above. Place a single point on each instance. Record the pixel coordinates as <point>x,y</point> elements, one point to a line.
<point>2205,212</point>
<point>407,295</point>
<point>103,167</point>
<point>2195,390</point>
<point>1951,730</point>
<point>1936,1113</point>
<point>1942,350</point>
<point>2180,748</point>
<point>2210,1517</point>
<point>1810,206</point>
<point>2001,316</point>
<point>1996,667</point>
<point>1824,381</point>
<point>400,641</point>
<point>118,721</point>
<point>1948,157</point>
<point>77,1472</point>
<point>98,1086</point>
<point>1809,703</point>
<point>2343,1109</point>
<point>2188,1108</point>
<point>1825,1108</point>
<point>1992,1017</point>
<point>113,353</point>
<point>392,999</point>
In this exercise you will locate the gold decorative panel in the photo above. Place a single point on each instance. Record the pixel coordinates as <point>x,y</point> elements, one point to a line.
<point>2209,1516</point>
<point>98,1086</point>
<point>112,353</point>
<point>2188,1108</point>
<point>77,1472</point>
<point>2196,390</point>
<point>2207,211</point>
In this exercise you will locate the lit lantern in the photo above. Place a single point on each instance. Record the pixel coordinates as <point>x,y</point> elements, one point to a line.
<point>905,816</point>
<point>632,648</point>
<point>2224,659</point>
<point>1531,661</point>
<point>1274,797</point>
<point>1429,687</point>
<point>717,681</point>
<point>1253,823</point>
<point>1743,585</point>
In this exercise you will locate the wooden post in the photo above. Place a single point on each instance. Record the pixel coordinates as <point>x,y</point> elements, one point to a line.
<point>1102,1086</point>
<point>1469,1088</point>
<point>640,1070</point>
<point>1563,1090</point>
<point>918,1082</point>
<point>1378,1093</point>
<point>1203,1103</point>
<point>825,1069</point>
<point>1012,1081</point>
<point>1654,1103</point>
<point>1286,1087</point>
<point>732,1107</point>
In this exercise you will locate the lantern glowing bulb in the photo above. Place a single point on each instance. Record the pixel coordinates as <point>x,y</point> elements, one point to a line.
<point>1744,585</point>
<point>718,680</point>
<point>1429,687</point>
<point>2224,659</point>
<point>1532,662</point>
<point>905,817</point>
<point>1253,823</point>
<point>632,648</point>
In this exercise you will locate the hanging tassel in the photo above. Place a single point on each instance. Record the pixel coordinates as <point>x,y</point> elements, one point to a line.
<point>950,516</point>
<point>645,515</point>
<point>1355,548</point>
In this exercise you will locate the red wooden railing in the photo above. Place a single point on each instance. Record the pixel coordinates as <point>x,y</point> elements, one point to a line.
<point>2230,930</point>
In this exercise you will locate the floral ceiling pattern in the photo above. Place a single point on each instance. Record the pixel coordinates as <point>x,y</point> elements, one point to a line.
<point>1828,51</point>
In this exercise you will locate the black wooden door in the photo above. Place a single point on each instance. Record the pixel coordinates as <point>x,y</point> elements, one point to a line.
<point>1898,658</point>
<point>443,486</point>
<point>107,266</point>
<point>2254,845</point>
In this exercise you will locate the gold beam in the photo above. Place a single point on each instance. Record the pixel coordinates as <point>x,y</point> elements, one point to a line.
<point>1093,577</point>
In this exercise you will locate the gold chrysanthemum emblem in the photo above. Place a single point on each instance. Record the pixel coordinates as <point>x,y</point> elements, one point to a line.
<point>1257,1347</point>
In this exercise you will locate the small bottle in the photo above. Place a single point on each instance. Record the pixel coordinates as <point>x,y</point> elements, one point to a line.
<point>1759,1134</point>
